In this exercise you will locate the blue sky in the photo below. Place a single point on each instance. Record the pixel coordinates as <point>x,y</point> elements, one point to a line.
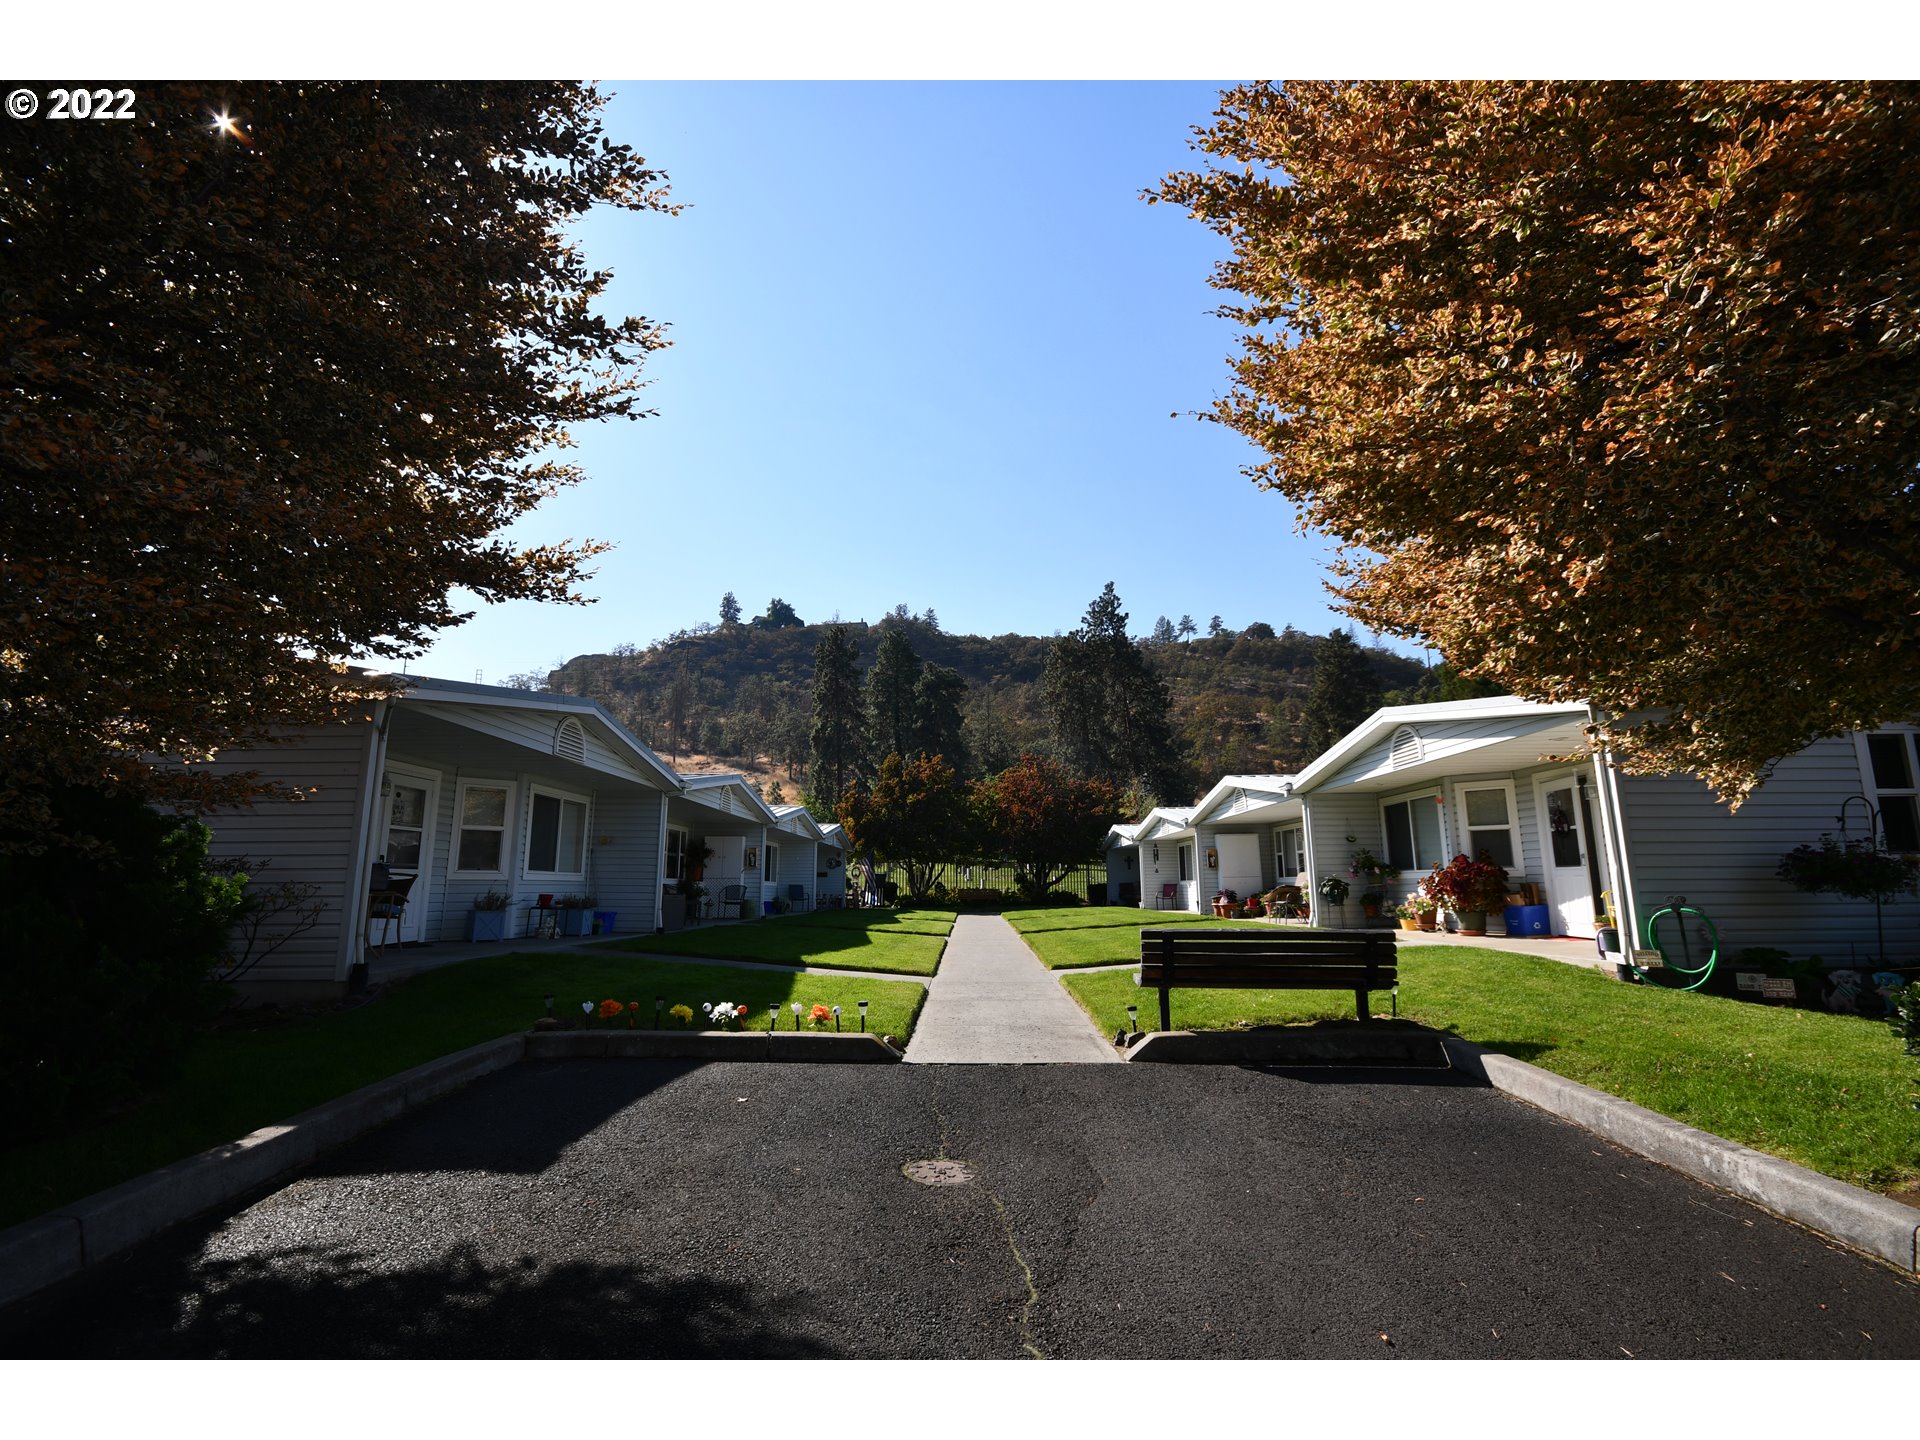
<point>928,341</point>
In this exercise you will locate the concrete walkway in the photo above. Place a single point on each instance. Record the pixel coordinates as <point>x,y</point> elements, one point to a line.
<point>994,1003</point>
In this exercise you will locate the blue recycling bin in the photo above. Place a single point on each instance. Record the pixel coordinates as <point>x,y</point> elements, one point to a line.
<point>1528,920</point>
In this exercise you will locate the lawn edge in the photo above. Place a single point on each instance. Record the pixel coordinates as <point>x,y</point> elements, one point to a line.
<point>1859,1219</point>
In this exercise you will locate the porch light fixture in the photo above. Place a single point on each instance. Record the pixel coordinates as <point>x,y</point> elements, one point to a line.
<point>863,1017</point>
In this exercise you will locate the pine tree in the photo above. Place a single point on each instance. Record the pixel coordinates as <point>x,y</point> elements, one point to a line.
<point>837,744</point>
<point>891,683</point>
<point>1215,626</point>
<point>1106,706</point>
<point>939,700</point>
<point>1163,632</point>
<point>1344,691</point>
<point>729,609</point>
<point>1186,629</point>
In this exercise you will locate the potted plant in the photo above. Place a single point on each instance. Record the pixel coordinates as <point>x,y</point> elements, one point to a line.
<point>1469,888</point>
<point>1857,869</point>
<point>576,914</point>
<point>1370,902</point>
<point>1424,909</point>
<point>1334,890</point>
<point>488,918</point>
<point>696,895</point>
<point>1223,903</point>
<point>1409,917</point>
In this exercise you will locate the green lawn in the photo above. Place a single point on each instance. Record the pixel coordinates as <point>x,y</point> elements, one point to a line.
<point>1830,1092</point>
<point>1108,942</point>
<point>240,1080</point>
<point>899,942</point>
<point>1093,917</point>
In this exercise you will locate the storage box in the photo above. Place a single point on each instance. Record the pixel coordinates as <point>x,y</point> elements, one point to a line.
<point>1528,920</point>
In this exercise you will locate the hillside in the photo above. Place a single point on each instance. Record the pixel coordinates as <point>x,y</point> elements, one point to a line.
<point>739,697</point>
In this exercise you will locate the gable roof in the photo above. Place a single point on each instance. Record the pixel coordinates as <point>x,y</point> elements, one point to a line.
<point>427,691</point>
<point>1499,731</point>
<point>717,792</point>
<point>1242,793</point>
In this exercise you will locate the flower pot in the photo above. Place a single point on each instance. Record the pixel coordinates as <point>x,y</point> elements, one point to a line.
<point>1428,922</point>
<point>1472,922</point>
<point>573,922</point>
<point>486,925</point>
<point>1607,937</point>
<point>1410,922</point>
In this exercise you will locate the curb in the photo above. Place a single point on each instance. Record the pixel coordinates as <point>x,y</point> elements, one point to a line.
<point>65,1241</point>
<point>1347,1043</point>
<point>711,1045</point>
<point>1858,1218</point>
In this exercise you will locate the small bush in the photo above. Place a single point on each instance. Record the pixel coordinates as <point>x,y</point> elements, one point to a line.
<point>111,952</point>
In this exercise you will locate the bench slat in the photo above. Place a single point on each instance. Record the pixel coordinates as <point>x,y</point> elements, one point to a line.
<point>1276,980</point>
<point>1310,954</point>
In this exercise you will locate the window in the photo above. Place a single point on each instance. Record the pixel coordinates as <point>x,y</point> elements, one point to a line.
<point>1486,817</point>
<point>556,835</point>
<point>1186,861</point>
<point>1891,760</point>
<point>1412,826</point>
<point>482,842</point>
<point>676,853</point>
<point>1289,851</point>
<point>771,872</point>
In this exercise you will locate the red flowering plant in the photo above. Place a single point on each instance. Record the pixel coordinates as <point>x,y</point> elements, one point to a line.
<point>820,1015</point>
<point>1467,885</point>
<point>611,1010</point>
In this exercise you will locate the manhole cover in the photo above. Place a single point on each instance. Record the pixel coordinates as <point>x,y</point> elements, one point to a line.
<point>938,1172</point>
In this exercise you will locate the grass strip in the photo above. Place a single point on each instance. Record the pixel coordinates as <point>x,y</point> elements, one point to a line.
<point>1095,917</point>
<point>788,942</point>
<point>241,1079</point>
<point>1831,1092</point>
<point>1115,944</point>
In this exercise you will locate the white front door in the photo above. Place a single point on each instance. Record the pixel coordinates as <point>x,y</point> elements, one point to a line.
<point>1564,841</point>
<point>1239,864</point>
<point>405,841</point>
<point>727,867</point>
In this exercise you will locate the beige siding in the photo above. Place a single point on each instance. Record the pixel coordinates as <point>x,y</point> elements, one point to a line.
<point>313,841</point>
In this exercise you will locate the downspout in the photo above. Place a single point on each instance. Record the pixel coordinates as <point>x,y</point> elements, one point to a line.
<point>1613,821</point>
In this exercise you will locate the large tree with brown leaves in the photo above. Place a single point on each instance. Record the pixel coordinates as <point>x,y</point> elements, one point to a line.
<point>280,364</point>
<point>1612,391</point>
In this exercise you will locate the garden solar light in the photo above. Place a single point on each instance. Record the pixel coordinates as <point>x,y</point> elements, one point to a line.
<point>773,1017</point>
<point>836,1027</point>
<point>863,1017</point>
<point>659,1002</point>
<point>549,1004</point>
<point>586,1007</point>
<point>1133,1018</point>
<point>796,1014</point>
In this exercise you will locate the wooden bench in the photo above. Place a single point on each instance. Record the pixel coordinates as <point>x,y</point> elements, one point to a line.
<point>1207,957</point>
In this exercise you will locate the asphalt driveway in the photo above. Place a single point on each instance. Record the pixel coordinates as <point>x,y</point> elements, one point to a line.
<point>670,1209</point>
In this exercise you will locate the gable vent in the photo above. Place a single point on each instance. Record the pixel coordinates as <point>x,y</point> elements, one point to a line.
<point>570,741</point>
<point>1405,749</point>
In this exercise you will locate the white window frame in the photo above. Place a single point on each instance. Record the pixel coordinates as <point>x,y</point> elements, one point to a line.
<point>1464,834</point>
<point>460,827</point>
<point>674,867</point>
<point>1407,797</point>
<point>1872,789</point>
<point>536,788</point>
<point>1284,874</point>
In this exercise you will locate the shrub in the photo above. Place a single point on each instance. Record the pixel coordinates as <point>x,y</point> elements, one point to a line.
<point>1857,869</point>
<point>111,952</point>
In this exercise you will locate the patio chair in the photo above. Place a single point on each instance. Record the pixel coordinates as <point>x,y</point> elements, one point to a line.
<point>387,905</point>
<point>736,896</point>
<point>797,898</point>
<point>1169,898</point>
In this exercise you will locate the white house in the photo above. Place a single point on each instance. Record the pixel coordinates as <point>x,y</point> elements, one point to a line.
<point>1418,784</point>
<point>462,789</point>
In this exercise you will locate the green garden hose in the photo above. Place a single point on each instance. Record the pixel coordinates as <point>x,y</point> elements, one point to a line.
<point>1680,910</point>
